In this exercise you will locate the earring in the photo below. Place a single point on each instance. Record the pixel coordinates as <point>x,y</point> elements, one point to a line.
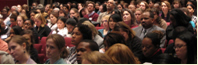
<point>24,52</point>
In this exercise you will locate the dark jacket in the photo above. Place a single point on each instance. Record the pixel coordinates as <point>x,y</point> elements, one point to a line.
<point>34,54</point>
<point>150,59</point>
<point>43,31</point>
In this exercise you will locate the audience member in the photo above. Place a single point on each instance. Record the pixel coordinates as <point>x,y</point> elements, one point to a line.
<point>70,24</point>
<point>104,23</point>
<point>53,20</point>
<point>61,29</point>
<point>166,7</point>
<point>91,15</point>
<point>6,58</point>
<point>129,18</point>
<point>158,21</point>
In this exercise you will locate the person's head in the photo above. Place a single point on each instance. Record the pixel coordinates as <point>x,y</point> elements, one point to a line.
<point>28,34</point>
<point>80,6</point>
<point>121,54</point>
<point>47,7</point>
<point>90,6</point>
<point>125,30</point>
<point>110,5</point>
<point>151,3</point>
<point>132,7</point>
<point>144,5</point>
<point>18,47</point>
<point>96,57</point>
<point>70,24</point>
<point>191,9</point>
<point>176,4</point>
<point>92,27</point>
<point>54,17</point>
<point>55,47</point>
<point>85,46</point>
<point>97,5</point>
<point>105,20</point>
<point>32,14</point>
<point>6,58</point>
<point>116,11</point>
<point>113,19</point>
<point>113,38</point>
<point>103,8</point>
<point>178,18</point>
<point>74,13</point>
<point>39,20</point>
<point>61,22</point>
<point>4,12</point>
<point>23,11</point>
<point>34,4</point>
<point>192,2</point>
<point>120,7</point>
<point>82,12</point>
<point>28,24</point>
<point>164,59</point>
<point>185,46</point>
<point>138,14</point>
<point>147,19</point>
<point>20,20</point>
<point>165,6</point>
<point>79,33</point>
<point>2,24</point>
<point>151,43</point>
<point>128,17</point>
<point>156,13</point>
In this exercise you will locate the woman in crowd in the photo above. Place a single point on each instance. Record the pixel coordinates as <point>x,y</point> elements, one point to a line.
<point>191,9</point>
<point>185,10</point>
<point>158,21</point>
<point>79,33</point>
<point>166,7</point>
<point>28,34</point>
<point>74,13</point>
<point>176,4</point>
<point>96,57</point>
<point>41,27</point>
<point>186,48</point>
<point>62,13</point>
<point>132,41</point>
<point>129,18</point>
<point>53,20</point>
<point>19,49</point>
<point>70,24</point>
<point>32,14</point>
<point>61,29</point>
<point>113,19</point>
<point>104,31</point>
<point>55,49</point>
<point>138,14</point>
<point>144,5</point>
<point>20,20</point>
<point>121,54</point>
<point>120,7</point>
<point>83,12</point>
<point>102,9</point>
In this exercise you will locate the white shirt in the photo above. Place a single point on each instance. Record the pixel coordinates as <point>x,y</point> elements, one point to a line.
<point>63,32</point>
<point>52,27</point>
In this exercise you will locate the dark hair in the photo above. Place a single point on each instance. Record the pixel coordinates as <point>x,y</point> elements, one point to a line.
<point>55,14</point>
<point>17,30</point>
<point>81,20</point>
<point>71,21</point>
<point>180,18</point>
<point>133,19</point>
<point>83,9</point>
<point>31,35</point>
<point>92,45</point>
<point>85,30</point>
<point>116,11</point>
<point>14,17</point>
<point>31,21</point>
<point>60,43</point>
<point>150,12</point>
<point>164,59</point>
<point>113,38</point>
<point>191,43</point>
<point>121,6</point>
<point>20,40</point>
<point>116,17</point>
<point>155,37</point>
<point>62,10</point>
<point>158,20</point>
<point>104,8</point>
<point>62,19</point>
<point>194,3</point>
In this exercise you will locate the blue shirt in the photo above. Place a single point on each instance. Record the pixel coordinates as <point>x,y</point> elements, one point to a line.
<point>60,61</point>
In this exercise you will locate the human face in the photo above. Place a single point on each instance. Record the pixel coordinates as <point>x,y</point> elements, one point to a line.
<point>37,22</point>
<point>80,6</point>
<point>27,25</point>
<point>77,36</point>
<point>131,7</point>
<point>16,50</point>
<point>111,23</point>
<point>97,6</point>
<point>32,16</point>
<point>53,19</point>
<point>23,11</point>
<point>138,15</point>
<point>84,61</point>
<point>176,5</point>
<point>104,22</point>
<point>52,51</point>
<point>127,17</point>
<point>110,5</point>
<point>151,4</point>
<point>19,21</point>
<point>155,15</point>
<point>190,9</point>
<point>147,47</point>
<point>180,48</point>
<point>142,6</point>
<point>47,8</point>
<point>72,13</point>
<point>12,21</point>
<point>60,24</point>
<point>90,7</point>
<point>69,28</point>
<point>101,8</point>
<point>164,7</point>
<point>119,7</point>
<point>61,14</point>
<point>28,38</point>
<point>146,20</point>
<point>125,34</point>
<point>82,48</point>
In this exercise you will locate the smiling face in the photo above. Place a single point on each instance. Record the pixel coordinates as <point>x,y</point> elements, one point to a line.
<point>82,48</point>
<point>77,36</point>
<point>16,50</point>
<point>181,48</point>
<point>52,51</point>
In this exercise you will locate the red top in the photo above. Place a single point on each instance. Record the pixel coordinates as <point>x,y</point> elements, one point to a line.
<point>93,17</point>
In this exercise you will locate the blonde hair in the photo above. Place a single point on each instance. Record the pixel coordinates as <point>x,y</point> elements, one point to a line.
<point>96,57</point>
<point>105,17</point>
<point>92,27</point>
<point>121,54</point>
<point>167,4</point>
<point>40,17</point>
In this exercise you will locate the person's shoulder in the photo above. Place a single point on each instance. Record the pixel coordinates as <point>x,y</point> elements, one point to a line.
<point>47,61</point>
<point>137,28</point>
<point>158,28</point>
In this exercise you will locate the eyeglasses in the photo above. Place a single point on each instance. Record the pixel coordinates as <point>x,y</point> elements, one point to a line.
<point>179,46</point>
<point>104,21</point>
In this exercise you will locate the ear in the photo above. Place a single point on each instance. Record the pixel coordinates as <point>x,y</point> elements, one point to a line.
<point>24,45</point>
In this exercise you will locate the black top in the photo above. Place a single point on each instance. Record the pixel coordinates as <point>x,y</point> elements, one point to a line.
<point>150,59</point>
<point>34,54</point>
<point>43,31</point>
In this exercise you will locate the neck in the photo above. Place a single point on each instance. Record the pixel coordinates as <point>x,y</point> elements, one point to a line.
<point>184,61</point>
<point>24,58</point>
<point>90,12</point>
<point>106,29</point>
<point>165,13</point>
<point>148,27</point>
<point>53,60</point>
